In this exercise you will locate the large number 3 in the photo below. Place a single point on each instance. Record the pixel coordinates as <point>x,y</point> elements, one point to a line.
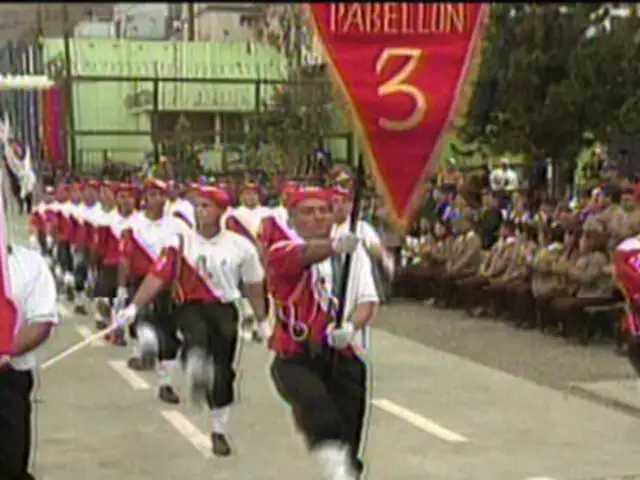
<point>398,83</point>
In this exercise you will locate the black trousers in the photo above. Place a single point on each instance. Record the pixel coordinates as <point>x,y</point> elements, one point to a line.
<point>328,397</point>
<point>42,242</point>
<point>107,282</point>
<point>163,316</point>
<point>15,424</point>
<point>64,257</point>
<point>81,269</point>
<point>28,202</point>
<point>214,329</point>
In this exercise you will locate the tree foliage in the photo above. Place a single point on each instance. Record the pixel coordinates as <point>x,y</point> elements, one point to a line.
<point>294,121</point>
<point>550,75</point>
<point>301,111</point>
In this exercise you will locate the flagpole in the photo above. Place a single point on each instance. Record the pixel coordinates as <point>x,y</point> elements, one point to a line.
<point>353,225</point>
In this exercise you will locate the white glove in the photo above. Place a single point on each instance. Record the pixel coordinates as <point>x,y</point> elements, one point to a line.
<point>91,277</point>
<point>346,243</point>
<point>49,241</point>
<point>342,337</point>
<point>264,330</point>
<point>124,317</point>
<point>122,294</point>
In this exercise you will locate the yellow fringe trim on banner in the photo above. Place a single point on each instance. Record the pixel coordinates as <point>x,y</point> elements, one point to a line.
<point>401,223</point>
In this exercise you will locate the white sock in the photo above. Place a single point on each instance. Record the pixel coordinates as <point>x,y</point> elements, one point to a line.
<point>221,418</point>
<point>68,279</point>
<point>166,372</point>
<point>333,459</point>
<point>198,369</point>
<point>147,339</point>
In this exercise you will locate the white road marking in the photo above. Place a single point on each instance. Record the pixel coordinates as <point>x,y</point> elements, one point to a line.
<point>189,431</point>
<point>86,332</point>
<point>133,379</point>
<point>419,421</point>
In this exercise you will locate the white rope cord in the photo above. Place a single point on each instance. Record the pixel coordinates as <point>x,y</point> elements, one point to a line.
<point>25,82</point>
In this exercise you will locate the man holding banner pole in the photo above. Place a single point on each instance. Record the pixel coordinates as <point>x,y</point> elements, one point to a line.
<point>401,67</point>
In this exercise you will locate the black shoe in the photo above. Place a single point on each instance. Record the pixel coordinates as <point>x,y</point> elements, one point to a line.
<point>255,337</point>
<point>167,394</point>
<point>141,364</point>
<point>220,445</point>
<point>101,324</point>
<point>80,310</point>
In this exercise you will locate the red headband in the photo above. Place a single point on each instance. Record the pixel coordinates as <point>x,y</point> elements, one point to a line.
<point>308,193</point>
<point>215,195</point>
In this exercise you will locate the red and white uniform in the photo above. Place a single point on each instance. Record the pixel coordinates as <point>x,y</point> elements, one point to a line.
<point>210,270</point>
<point>63,224</point>
<point>91,218</point>
<point>183,209</point>
<point>273,230</point>
<point>143,239</point>
<point>244,221</point>
<point>303,294</point>
<point>109,227</point>
<point>37,218</point>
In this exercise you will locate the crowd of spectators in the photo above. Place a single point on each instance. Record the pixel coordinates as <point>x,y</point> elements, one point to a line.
<point>494,250</point>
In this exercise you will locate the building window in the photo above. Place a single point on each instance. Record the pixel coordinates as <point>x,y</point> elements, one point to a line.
<point>232,128</point>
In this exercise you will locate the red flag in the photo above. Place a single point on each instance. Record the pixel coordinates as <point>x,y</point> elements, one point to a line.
<point>402,67</point>
<point>8,312</point>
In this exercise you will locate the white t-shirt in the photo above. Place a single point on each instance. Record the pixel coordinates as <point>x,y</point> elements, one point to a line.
<point>502,179</point>
<point>361,288</point>
<point>33,290</point>
<point>364,230</point>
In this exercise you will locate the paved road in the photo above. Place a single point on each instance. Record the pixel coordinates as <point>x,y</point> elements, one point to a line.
<point>453,399</point>
<point>436,416</point>
<point>544,359</point>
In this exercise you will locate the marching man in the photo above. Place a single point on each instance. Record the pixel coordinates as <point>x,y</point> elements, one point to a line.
<point>207,265</point>
<point>142,240</point>
<point>109,228</point>
<point>317,366</point>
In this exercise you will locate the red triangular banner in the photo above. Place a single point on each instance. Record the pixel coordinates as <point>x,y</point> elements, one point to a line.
<point>402,67</point>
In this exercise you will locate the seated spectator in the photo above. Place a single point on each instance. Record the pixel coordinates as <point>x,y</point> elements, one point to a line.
<point>491,270</point>
<point>519,211</point>
<point>545,212</point>
<point>511,291</point>
<point>545,284</point>
<point>422,275</point>
<point>568,258</point>
<point>592,277</point>
<point>466,255</point>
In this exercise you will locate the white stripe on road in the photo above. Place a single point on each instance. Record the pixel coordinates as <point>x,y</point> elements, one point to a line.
<point>418,421</point>
<point>134,380</point>
<point>189,431</point>
<point>86,333</point>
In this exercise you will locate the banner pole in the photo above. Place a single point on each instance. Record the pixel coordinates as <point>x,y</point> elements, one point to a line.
<point>353,228</point>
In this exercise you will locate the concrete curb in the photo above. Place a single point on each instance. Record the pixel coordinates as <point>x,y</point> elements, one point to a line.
<point>623,406</point>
